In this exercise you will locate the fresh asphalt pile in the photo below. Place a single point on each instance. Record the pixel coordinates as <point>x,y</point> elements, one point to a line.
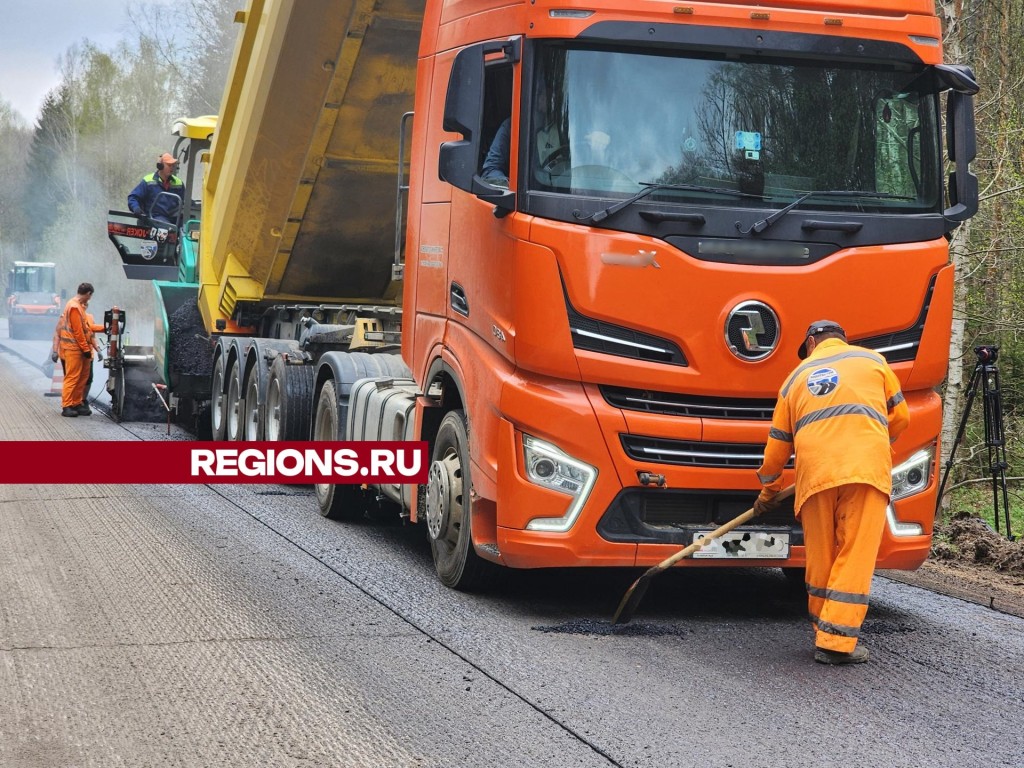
<point>190,344</point>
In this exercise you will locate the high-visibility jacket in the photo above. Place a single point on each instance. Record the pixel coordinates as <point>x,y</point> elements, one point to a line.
<point>73,329</point>
<point>147,199</point>
<point>839,411</point>
<point>92,328</point>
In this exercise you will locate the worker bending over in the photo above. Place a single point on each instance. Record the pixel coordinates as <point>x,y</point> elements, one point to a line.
<point>839,412</point>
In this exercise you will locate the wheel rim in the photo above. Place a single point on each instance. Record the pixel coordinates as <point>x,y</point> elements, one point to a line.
<point>216,399</point>
<point>445,500</point>
<point>272,412</point>
<point>252,409</point>
<point>234,403</point>
<point>323,430</point>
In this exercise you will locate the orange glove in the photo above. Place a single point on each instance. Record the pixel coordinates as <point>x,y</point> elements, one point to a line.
<point>765,502</point>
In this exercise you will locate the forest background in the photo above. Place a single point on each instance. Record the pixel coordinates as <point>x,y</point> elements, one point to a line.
<point>112,110</point>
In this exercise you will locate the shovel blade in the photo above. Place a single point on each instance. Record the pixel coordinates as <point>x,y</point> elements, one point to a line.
<point>632,598</point>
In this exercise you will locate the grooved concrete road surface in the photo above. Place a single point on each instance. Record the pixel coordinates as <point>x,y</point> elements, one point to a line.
<point>233,626</point>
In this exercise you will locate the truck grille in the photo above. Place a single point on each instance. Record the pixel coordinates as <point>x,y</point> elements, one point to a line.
<point>691,453</point>
<point>674,404</point>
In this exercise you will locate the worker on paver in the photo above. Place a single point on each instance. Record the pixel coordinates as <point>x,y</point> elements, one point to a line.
<point>155,195</point>
<point>839,412</point>
<point>75,350</point>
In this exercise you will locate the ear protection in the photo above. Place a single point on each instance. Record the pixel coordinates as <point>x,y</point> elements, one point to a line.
<point>159,166</point>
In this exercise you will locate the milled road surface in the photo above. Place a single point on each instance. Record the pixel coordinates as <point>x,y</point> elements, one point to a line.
<point>233,626</point>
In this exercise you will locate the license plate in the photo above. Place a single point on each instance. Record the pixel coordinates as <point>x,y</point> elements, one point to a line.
<point>744,545</point>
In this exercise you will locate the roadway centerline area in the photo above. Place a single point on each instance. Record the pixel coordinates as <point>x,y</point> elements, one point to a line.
<point>232,625</point>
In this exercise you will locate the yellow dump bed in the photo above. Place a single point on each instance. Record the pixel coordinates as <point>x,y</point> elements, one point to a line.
<point>300,195</point>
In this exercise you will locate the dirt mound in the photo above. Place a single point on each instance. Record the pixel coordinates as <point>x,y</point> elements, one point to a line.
<point>969,539</point>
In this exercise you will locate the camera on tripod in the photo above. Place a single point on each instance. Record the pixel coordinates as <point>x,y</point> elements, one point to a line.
<point>986,377</point>
<point>987,353</point>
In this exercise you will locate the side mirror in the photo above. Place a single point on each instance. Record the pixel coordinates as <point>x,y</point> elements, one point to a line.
<point>962,146</point>
<point>463,114</point>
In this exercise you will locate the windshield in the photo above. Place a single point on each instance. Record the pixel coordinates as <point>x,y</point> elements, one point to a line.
<point>33,279</point>
<point>605,123</point>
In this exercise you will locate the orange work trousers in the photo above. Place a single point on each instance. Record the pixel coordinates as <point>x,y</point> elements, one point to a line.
<point>842,532</point>
<point>76,378</point>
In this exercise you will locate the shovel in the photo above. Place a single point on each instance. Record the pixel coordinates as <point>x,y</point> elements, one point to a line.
<point>636,592</point>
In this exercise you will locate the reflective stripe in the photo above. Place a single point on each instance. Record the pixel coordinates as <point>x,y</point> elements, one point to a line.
<point>849,409</point>
<point>778,434</point>
<point>838,629</point>
<point>765,479</point>
<point>839,597</point>
<point>894,400</point>
<point>854,353</point>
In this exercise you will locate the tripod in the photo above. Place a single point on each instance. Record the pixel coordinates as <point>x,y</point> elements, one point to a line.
<point>986,374</point>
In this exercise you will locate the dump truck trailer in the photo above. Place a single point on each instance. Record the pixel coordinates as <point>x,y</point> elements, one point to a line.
<point>592,343</point>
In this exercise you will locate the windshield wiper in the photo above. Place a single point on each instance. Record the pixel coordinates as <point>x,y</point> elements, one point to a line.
<point>760,226</point>
<point>648,188</point>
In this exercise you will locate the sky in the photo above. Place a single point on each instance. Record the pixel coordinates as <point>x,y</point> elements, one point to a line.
<point>35,33</point>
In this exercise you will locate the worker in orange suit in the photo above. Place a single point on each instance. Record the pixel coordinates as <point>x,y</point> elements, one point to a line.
<point>75,350</point>
<point>839,411</point>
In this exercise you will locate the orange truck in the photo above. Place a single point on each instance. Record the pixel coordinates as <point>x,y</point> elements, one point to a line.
<point>33,302</point>
<point>613,222</point>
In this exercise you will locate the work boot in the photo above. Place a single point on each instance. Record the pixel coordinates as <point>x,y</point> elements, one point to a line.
<point>83,409</point>
<point>69,411</point>
<point>857,656</point>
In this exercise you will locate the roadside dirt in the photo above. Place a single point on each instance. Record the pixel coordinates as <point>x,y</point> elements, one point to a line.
<point>971,561</point>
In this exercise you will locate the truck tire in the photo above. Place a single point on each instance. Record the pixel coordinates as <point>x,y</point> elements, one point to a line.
<point>218,417</point>
<point>343,501</point>
<point>289,401</point>
<point>253,426</point>
<point>234,403</point>
<point>449,522</point>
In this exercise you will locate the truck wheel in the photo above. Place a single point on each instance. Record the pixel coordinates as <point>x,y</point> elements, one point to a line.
<point>344,501</point>
<point>218,422</point>
<point>233,403</point>
<point>448,509</point>
<point>252,428</point>
<point>289,397</point>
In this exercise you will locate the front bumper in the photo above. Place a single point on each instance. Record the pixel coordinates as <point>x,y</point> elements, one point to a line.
<point>624,523</point>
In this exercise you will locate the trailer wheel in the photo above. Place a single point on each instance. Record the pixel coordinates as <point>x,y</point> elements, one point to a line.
<point>218,422</point>
<point>252,428</point>
<point>343,501</point>
<point>449,525</point>
<point>233,403</point>
<point>289,396</point>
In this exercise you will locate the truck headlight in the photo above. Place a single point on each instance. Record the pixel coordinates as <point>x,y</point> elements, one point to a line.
<point>912,475</point>
<point>908,478</point>
<point>550,467</point>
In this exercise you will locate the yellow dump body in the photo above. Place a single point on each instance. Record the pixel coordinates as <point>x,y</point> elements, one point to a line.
<point>300,195</point>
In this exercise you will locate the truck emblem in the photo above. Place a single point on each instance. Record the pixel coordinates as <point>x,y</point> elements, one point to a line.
<point>752,331</point>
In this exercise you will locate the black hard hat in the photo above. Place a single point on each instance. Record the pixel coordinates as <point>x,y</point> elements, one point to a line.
<point>818,326</point>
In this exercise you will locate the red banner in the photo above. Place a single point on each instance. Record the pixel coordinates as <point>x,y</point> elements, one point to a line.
<point>123,462</point>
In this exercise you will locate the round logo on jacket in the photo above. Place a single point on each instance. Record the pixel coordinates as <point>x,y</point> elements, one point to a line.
<point>822,381</point>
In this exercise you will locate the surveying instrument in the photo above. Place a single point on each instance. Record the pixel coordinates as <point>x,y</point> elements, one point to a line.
<point>986,374</point>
